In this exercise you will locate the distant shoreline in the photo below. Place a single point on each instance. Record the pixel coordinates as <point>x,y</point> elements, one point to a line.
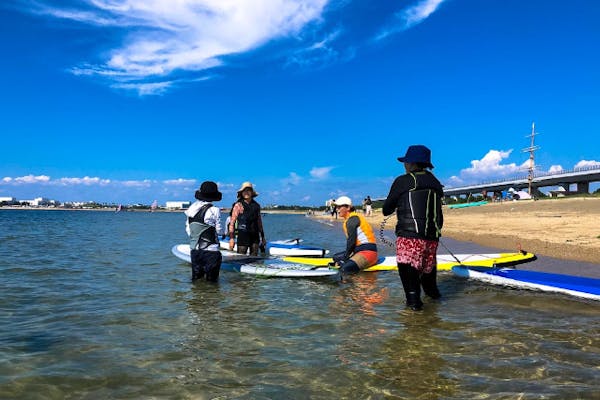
<point>113,209</point>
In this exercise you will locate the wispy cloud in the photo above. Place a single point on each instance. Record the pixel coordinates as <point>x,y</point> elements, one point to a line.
<point>321,53</point>
<point>180,182</point>
<point>24,180</point>
<point>166,36</point>
<point>136,184</point>
<point>321,172</point>
<point>409,17</point>
<point>293,179</point>
<point>81,181</point>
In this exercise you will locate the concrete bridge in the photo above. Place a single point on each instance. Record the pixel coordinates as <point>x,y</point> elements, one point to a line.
<point>581,177</point>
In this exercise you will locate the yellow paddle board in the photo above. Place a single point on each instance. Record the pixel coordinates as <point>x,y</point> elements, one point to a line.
<point>445,262</point>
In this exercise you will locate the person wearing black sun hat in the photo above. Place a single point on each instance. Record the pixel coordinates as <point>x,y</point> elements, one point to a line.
<point>416,197</point>
<point>203,225</point>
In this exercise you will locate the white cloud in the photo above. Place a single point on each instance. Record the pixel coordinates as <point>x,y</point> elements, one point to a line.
<point>31,179</point>
<point>82,181</point>
<point>189,35</point>
<point>319,53</point>
<point>555,168</point>
<point>320,172</point>
<point>490,166</point>
<point>454,181</point>
<point>145,183</point>
<point>144,89</point>
<point>586,163</point>
<point>419,12</point>
<point>293,179</point>
<point>180,182</point>
<point>410,17</point>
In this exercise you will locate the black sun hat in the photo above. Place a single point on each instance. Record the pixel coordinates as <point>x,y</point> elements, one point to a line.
<point>417,154</point>
<point>208,192</point>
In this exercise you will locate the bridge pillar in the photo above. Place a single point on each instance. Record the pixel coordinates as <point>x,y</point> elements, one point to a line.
<point>583,187</point>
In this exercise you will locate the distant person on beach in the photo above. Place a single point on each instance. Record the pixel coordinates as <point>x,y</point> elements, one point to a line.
<point>334,211</point>
<point>203,225</point>
<point>368,206</point>
<point>416,197</point>
<point>361,245</point>
<point>246,213</point>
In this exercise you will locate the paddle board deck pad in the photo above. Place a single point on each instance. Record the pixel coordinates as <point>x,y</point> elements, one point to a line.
<point>588,288</point>
<point>282,269</point>
<point>182,251</point>
<point>291,248</point>
<point>445,262</point>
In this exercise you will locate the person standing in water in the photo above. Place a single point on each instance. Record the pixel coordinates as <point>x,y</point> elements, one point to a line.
<point>361,245</point>
<point>246,212</point>
<point>416,197</point>
<point>203,225</point>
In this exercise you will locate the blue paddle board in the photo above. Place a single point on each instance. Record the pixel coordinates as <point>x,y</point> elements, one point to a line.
<point>588,288</point>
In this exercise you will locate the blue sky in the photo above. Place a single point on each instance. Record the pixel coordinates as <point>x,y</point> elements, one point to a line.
<point>127,102</point>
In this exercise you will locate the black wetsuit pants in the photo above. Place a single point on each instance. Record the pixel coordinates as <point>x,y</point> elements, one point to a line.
<point>412,280</point>
<point>206,264</point>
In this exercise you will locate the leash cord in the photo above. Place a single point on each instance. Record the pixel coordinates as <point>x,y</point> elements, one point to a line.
<point>384,240</point>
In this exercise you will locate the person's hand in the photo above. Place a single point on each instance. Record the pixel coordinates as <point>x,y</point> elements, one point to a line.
<point>231,244</point>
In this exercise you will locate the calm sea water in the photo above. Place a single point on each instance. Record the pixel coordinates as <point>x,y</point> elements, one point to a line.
<point>94,306</point>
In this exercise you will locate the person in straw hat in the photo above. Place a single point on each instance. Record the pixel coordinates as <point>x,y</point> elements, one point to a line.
<point>416,197</point>
<point>203,225</point>
<point>246,218</point>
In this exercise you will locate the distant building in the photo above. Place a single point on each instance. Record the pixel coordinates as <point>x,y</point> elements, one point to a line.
<point>40,201</point>
<point>177,205</point>
<point>8,200</point>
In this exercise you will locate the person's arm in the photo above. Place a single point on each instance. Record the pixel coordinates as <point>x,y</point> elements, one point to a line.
<point>352,225</point>
<point>391,202</point>
<point>234,216</point>
<point>216,219</point>
<point>261,229</point>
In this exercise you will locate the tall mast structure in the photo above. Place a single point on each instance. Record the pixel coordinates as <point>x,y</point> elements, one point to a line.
<point>531,149</point>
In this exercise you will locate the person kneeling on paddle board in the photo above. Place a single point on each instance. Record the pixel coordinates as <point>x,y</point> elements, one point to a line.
<point>361,245</point>
<point>203,225</point>
<point>416,197</point>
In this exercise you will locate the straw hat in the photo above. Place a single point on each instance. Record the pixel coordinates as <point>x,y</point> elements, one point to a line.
<point>246,185</point>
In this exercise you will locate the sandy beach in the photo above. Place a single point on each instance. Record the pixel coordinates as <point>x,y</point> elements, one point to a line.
<point>565,228</point>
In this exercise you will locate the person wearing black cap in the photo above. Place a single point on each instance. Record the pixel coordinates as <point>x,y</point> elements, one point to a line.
<point>203,225</point>
<point>416,197</point>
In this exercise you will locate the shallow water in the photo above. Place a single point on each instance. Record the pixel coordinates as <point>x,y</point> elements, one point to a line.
<point>93,305</point>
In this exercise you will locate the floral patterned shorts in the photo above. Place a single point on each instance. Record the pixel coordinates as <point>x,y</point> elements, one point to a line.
<point>419,253</point>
